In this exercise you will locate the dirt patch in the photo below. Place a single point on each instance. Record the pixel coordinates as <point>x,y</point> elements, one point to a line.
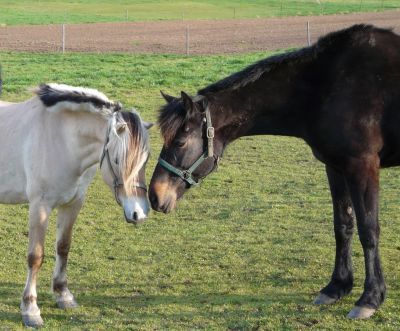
<point>205,36</point>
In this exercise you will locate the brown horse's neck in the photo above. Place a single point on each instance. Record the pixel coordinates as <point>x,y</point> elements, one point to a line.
<point>274,104</point>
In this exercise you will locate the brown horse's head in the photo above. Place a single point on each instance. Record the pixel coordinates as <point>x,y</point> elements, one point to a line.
<point>190,151</point>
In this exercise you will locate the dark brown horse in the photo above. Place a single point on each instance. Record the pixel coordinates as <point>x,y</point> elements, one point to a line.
<point>342,96</point>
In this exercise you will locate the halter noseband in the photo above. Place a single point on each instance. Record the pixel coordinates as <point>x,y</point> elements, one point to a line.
<point>187,175</point>
<point>116,181</point>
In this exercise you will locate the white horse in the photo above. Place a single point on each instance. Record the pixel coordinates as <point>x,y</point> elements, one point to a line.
<point>50,148</point>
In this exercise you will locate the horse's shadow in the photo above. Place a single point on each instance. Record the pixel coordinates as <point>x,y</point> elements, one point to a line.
<point>136,304</point>
<point>136,298</point>
<point>10,296</point>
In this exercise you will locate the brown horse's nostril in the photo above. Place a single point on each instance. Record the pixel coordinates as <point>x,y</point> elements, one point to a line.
<point>135,216</point>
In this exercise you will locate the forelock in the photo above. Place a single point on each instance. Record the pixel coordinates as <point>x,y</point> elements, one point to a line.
<point>138,149</point>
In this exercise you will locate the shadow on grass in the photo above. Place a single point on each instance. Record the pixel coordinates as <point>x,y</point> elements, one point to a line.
<point>229,311</point>
<point>134,306</point>
<point>133,297</point>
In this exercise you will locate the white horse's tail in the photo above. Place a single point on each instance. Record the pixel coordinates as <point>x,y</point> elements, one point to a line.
<point>57,97</point>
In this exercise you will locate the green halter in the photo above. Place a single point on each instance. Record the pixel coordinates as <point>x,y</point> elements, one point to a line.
<point>187,175</point>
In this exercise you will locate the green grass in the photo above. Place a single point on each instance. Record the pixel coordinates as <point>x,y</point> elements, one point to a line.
<point>75,11</point>
<point>247,250</point>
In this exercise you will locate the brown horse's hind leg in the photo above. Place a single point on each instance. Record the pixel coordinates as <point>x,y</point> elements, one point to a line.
<point>38,218</point>
<point>363,181</point>
<point>341,282</point>
<point>65,221</point>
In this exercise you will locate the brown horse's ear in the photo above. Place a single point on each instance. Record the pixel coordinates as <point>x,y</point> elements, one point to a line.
<point>168,98</point>
<point>187,101</point>
<point>200,103</point>
<point>197,103</point>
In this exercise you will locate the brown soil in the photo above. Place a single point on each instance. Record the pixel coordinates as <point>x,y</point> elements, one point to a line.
<point>205,36</point>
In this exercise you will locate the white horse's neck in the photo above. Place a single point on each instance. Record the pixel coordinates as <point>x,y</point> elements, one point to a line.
<point>86,133</point>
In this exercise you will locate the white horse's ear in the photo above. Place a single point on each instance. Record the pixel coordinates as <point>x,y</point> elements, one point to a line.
<point>148,125</point>
<point>120,128</point>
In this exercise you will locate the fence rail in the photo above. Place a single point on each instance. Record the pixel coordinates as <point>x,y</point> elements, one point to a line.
<point>186,37</point>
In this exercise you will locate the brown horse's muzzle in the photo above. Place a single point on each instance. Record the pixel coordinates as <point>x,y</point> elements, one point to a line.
<point>162,191</point>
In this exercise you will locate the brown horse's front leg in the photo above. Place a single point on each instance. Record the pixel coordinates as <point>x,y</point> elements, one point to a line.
<point>363,181</point>
<point>38,219</point>
<point>341,282</point>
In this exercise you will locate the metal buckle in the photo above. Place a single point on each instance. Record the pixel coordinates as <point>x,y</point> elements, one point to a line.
<point>186,175</point>
<point>210,132</point>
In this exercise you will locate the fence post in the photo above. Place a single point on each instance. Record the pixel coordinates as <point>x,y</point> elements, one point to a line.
<point>308,34</point>
<point>1,81</point>
<point>234,12</point>
<point>127,16</point>
<point>63,38</point>
<point>187,40</point>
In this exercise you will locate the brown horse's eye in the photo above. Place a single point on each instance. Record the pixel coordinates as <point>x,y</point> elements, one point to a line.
<point>180,143</point>
<point>186,129</point>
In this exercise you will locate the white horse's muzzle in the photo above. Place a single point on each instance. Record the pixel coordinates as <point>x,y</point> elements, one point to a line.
<point>136,209</point>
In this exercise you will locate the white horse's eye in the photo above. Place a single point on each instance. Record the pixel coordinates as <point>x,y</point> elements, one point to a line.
<point>116,161</point>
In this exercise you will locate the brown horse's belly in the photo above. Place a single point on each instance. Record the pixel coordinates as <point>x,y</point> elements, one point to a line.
<point>390,158</point>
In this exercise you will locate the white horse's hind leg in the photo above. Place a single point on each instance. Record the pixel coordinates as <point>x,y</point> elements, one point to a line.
<point>38,218</point>
<point>65,221</point>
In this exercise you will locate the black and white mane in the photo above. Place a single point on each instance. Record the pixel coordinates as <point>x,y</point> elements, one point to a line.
<point>52,94</point>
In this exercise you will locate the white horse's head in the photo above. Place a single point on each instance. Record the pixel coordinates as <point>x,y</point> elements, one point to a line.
<point>123,162</point>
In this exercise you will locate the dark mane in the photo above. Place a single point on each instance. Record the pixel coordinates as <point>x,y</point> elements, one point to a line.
<point>331,42</point>
<point>51,94</point>
<point>171,118</point>
<point>254,71</point>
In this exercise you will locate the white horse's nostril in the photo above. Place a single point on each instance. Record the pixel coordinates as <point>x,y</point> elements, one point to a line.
<point>135,216</point>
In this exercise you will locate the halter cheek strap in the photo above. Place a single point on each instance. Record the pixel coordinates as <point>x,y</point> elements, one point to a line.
<point>187,175</point>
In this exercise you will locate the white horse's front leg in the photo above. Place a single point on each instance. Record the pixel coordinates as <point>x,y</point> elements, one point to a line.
<point>65,221</point>
<point>38,218</point>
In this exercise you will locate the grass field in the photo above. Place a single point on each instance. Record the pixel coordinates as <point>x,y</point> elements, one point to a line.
<point>75,11</point>
<point>247,250</point>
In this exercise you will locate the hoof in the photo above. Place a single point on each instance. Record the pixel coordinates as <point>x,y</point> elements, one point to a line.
<point>34,321</point>
<point>323,299</point>
<point>361,312</point>
<point>67,304</point>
